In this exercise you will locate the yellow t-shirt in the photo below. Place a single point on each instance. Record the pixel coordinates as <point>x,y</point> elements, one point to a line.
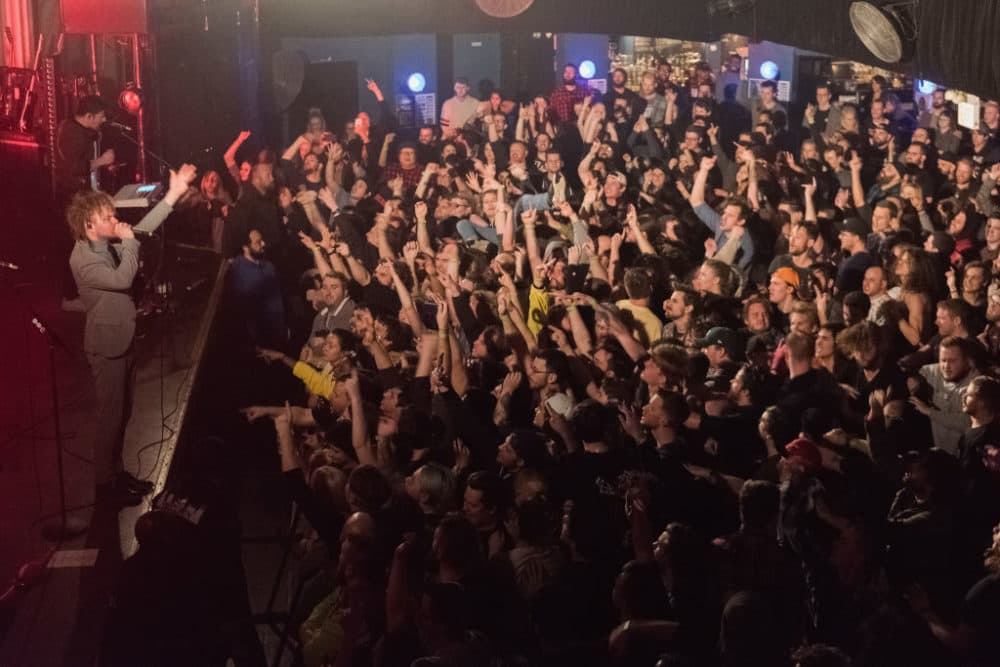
<point>649,322</point>
<point>538,308</point>
<point>320,383</point>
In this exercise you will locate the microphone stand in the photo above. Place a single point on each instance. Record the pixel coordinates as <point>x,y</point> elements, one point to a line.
<point>164,165</point>
<point>67,527</point>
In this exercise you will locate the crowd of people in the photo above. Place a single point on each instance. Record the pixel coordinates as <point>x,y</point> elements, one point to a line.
<point>657,376</point>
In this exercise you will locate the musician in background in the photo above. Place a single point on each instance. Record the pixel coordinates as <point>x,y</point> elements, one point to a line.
<point>104,271</point>
<point>77,162</point>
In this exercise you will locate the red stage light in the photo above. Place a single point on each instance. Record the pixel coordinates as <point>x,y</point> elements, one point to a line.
<point>130,100</point>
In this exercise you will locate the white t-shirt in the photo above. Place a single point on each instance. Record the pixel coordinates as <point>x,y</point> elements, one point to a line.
<point>455,113</point>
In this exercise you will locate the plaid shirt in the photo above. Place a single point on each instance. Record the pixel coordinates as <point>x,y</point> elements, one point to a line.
<point>562,101</point>
<point>411,177</point>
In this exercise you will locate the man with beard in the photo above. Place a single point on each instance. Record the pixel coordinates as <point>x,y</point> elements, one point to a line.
<point>305,176</point>
<point>929,117</point>
<point>799,257</point>
<point>256,291</point>
<point>627,104</point>
<point>949,378</point>
<point>563,100</point>
<point>256,209</point>
<point>917,164</point>
<point>866,344</point>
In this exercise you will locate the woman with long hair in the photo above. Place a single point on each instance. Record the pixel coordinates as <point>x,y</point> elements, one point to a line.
<point>915,271</point>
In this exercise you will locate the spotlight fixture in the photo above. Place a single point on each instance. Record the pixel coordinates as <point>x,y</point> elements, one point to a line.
<point>588,69</point>
<point>729,8</point>
<point>769,70</point>
<point>416,82</point>
<point>888,30</point>
<point>131,99</point>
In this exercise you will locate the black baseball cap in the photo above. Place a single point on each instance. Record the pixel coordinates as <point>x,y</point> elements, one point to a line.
<point>854,225</point>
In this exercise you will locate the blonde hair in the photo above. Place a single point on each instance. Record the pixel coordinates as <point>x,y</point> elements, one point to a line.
<point>84,206</point>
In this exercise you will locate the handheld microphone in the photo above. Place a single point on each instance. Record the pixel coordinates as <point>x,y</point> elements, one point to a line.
<point>9,265</point>
<point>119,126</point>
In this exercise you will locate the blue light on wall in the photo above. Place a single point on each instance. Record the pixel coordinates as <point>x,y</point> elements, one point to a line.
<point>416,82</point>
<point>588,69</point>
<point>769,69</point>
<point>926,87</point>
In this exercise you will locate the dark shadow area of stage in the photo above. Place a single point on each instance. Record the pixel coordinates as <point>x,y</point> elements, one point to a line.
<point>216,441</point>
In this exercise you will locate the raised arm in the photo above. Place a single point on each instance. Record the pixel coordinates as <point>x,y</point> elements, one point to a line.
<point>318,254</point>
<point>180,181</point>
<point>334,166</point>
<point>359,425</point>
<point>632,219</point>
<point>857,190</point>
<point>230,155</point>
<point>700,181</point>
<point>405,298</point>
<point>529,218</point>
<point>753,191</point>
<point>423,237</point>
<point>808,193</point>
<point>293,150</point>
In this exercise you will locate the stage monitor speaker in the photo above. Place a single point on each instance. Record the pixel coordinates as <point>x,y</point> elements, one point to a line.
<point>82,17</point>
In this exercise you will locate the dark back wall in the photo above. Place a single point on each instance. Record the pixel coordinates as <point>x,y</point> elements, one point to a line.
<point>958,43</point>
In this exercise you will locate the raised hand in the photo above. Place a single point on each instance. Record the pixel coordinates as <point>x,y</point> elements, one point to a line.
<point>307,241</point>
<point>558,337</point>
<point>511,382</point>
<point>630,420</point>
<point>325,196</point>
<point>269,355</point>
<point>529,217</point>
<point>442,315</point>
<point>420,210</point>
<point>809,189</point>
<point>855,164</point>
<point>410,251</point>
<point>632,217</point>
<point>711,247</point>
<point>306,197</point>
<point>473,182</point>
<point>616,242</point>
<point>254,413</point>
<point>503,302</point>
<point>707,163</point>
<point>181,179</point>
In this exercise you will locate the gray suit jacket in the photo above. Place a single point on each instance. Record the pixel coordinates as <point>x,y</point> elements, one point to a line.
<point>106,290</point>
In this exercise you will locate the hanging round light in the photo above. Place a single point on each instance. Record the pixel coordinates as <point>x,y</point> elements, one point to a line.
<point>131,99</point>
